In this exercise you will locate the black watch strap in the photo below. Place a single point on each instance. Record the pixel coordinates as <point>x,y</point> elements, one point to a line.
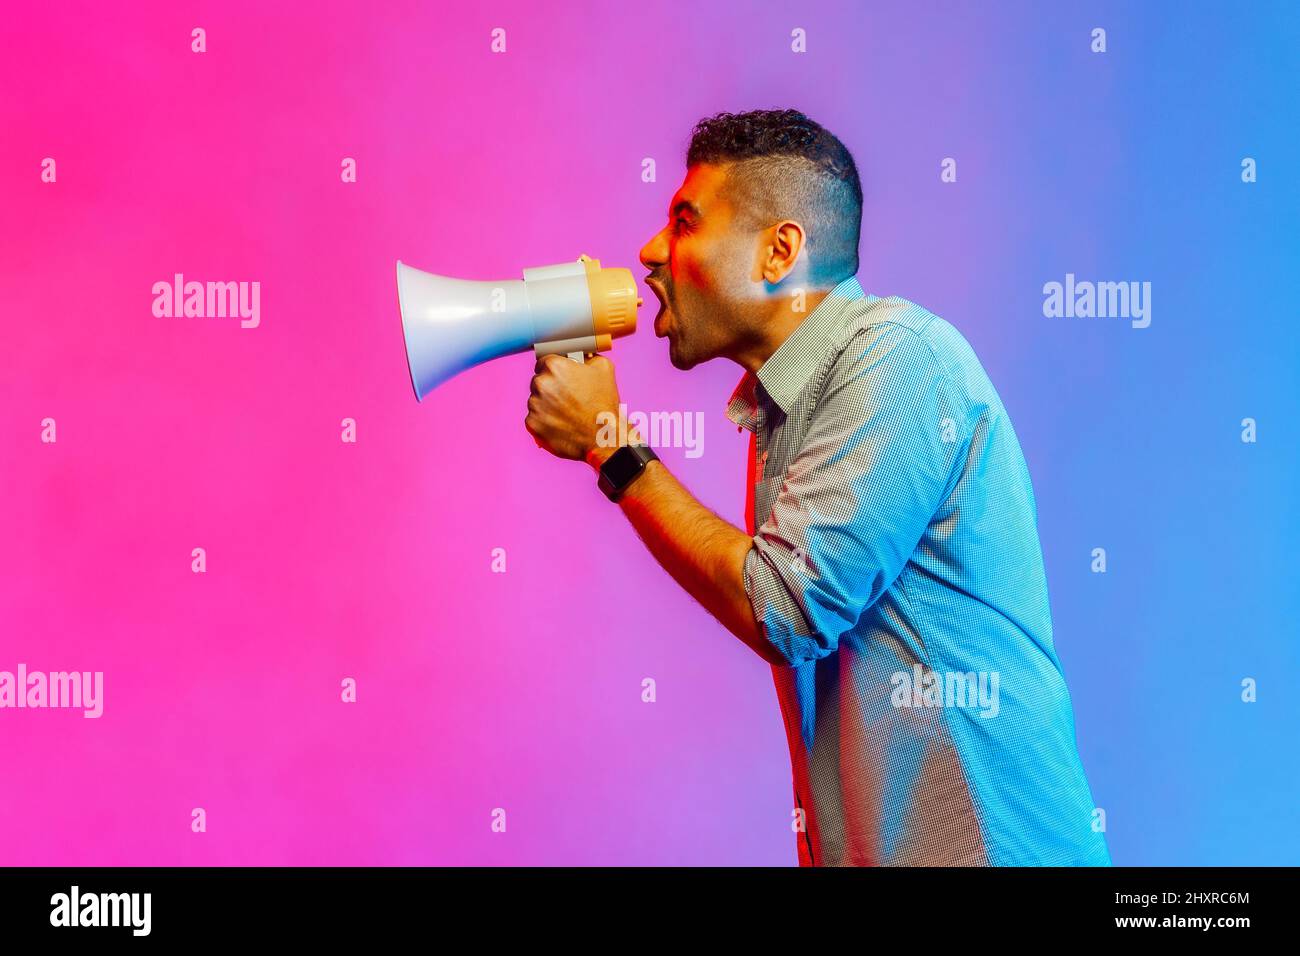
<point>621,469</point>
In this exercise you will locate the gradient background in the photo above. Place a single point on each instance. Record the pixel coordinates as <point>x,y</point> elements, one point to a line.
<point>522,690</point>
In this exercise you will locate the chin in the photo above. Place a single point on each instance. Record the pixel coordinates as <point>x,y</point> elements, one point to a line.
<point>680,360</point>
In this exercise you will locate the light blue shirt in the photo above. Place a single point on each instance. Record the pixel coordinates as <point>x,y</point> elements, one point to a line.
<point>896,567</point>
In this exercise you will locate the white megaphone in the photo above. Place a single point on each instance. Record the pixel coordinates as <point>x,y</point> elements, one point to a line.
<point>575,308</point>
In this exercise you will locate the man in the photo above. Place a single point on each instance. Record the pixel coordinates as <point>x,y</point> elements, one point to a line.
<point>891,573</point>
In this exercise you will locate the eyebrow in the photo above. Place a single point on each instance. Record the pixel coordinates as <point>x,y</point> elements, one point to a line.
<point>687,206</point>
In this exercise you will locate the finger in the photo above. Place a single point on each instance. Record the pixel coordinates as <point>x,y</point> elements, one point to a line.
<point>533,387</point>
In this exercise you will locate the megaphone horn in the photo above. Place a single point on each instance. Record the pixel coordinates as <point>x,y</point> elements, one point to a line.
<point>450,325</point>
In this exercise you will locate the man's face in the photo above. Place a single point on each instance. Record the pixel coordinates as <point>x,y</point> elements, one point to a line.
<point>702,267</point>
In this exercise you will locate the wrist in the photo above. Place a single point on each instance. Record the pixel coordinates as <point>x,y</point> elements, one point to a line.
<point>598,454</point>
<point>624,466</point>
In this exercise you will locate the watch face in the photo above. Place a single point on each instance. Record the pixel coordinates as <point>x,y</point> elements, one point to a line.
<point>622,467</point>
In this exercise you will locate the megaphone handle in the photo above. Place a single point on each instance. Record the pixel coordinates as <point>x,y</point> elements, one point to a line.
<point>579,356</point>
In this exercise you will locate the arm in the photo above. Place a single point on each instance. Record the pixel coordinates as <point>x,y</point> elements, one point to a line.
<point>703,553</point>
<point>856,500</point>
<point>878,460</point>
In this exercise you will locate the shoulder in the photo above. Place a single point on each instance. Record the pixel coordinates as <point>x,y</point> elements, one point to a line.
<point>896,318</point>
<point>899,345</point>
<point>890,338</point>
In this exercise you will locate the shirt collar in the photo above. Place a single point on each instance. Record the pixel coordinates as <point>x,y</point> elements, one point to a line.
<point>788,369</point>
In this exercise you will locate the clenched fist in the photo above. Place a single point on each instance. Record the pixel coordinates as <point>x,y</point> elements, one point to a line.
<point>567,401</point>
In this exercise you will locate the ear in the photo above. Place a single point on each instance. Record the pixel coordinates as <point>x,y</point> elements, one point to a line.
<point>783,251</point>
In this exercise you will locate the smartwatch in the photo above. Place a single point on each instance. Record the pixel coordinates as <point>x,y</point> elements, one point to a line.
<point>621,469</point>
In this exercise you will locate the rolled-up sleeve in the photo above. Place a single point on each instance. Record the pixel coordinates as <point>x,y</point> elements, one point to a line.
<point>881,453</point>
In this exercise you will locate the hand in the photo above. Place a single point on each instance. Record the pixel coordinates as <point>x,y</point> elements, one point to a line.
<point>567,402</point>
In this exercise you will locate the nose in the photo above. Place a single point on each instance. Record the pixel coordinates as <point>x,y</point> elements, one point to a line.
<point>655,252</point>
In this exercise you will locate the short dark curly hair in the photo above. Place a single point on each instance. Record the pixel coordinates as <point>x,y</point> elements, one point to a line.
<point>785,166</point>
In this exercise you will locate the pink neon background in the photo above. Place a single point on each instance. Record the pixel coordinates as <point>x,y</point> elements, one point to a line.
<point>480,690</point>
<point>476,690</point>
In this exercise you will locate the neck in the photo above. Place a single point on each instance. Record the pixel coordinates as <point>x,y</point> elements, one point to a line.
<point>774,327</point>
